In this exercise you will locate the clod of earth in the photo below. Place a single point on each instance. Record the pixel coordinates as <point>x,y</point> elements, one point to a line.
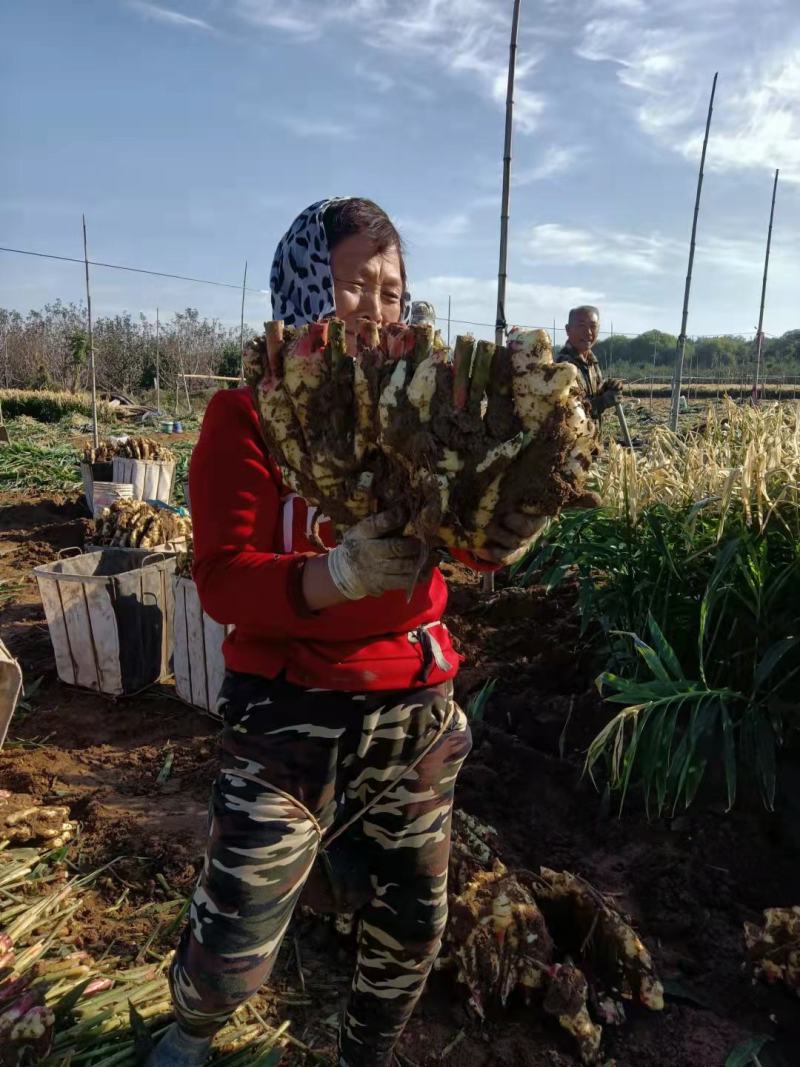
<point>137,524</point>
<point>459,440</point>
<point>512,930</point>
<point>774,947</point>
<point>24,823</point>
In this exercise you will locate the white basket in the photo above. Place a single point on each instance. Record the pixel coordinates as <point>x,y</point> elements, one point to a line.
<point>104,494</point>
<point>198,663</point>
<point>89,471</point>
<point>10,689</point>
<point>151,478</point>
<point>109,613</point>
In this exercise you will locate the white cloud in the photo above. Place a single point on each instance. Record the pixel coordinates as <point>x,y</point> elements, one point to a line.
<point>467,39</point>
<point>555,160</point>
<point>666,57</point>
<point>625,251</point>
<point>442,231</point>
<point>745,256</point>
<point>169,17</point>
<point>619,5</point>
<point>653,253</point>
<point>474,303</point>
<point>760,126</point>
<point>311,128</point>
<point>378,79</point>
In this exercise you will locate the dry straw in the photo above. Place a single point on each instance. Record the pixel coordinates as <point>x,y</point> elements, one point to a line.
<point>739,455</point>
<point>50,405</point>
<point>84,1011</point>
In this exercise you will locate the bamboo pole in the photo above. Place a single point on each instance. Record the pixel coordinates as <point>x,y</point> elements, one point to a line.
<point>681,350</point>
<point>158,366</point>
<point>92,369</point>
<point>241,326</point>
<point>760,334</point>
<point>502,270</point>
<point>502,277</point>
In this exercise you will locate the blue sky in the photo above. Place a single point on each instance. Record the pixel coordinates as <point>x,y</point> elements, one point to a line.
<point>191,133</point>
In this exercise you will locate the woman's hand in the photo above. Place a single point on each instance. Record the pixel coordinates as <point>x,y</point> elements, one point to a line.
<point>511,537</point>
<point>366,563</point>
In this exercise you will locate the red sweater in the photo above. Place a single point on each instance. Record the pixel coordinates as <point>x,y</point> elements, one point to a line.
<point>251,536</point>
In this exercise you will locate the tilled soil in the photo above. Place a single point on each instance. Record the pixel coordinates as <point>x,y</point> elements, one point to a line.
<point>689,883</point>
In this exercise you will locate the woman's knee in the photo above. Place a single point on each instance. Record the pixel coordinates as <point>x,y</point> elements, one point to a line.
<point>261,845</point>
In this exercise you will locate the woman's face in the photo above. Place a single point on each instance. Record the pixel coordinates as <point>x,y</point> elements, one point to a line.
<point>366,283</point>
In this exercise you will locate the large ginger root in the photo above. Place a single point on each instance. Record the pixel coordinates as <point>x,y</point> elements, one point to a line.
<point>515,930</point>
<point>137,524</point>
<point>23,823</point>
<point>583,920</point>
<point>774,948</point>
<point>460,441</point>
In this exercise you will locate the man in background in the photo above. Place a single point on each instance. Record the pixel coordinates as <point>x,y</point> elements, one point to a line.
<point>583,326</point>
<point>423,313</point>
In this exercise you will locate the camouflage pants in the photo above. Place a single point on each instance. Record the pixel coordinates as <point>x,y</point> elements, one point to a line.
<point>297,764</point>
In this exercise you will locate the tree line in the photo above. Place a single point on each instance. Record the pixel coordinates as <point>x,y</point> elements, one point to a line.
<point>48,348</point>
<point>722,355</point>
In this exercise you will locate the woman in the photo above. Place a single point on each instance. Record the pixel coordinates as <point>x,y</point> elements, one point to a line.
<point>339,719</point>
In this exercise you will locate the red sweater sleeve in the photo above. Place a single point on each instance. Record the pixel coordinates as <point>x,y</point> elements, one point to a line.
<point>236,510</point>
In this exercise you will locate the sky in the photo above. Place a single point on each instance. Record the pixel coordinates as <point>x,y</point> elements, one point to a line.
<point>192,132</point>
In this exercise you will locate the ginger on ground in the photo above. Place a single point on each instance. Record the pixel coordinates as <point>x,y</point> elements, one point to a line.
<point>517,930</point>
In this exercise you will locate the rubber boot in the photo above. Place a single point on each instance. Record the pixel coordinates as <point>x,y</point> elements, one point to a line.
<point>179,1049</point>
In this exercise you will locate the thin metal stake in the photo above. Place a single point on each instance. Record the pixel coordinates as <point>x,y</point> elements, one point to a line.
<point>158,367</point>
<point>241,325</point>
<point>92,370</point>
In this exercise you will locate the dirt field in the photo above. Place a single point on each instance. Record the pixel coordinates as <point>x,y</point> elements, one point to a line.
<point>689,882</point>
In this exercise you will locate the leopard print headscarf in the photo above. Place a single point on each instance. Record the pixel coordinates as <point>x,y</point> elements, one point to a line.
<point>301,280</point>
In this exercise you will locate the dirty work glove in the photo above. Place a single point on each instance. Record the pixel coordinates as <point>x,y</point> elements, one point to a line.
<point>511,537</point>
<point>610,393</point>
<point>367,563</point>
<point>604,400</point>
<point>179,1049</point>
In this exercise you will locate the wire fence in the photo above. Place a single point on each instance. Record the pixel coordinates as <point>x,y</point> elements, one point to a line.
<point>550,324</point>
<point>724,380</point>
